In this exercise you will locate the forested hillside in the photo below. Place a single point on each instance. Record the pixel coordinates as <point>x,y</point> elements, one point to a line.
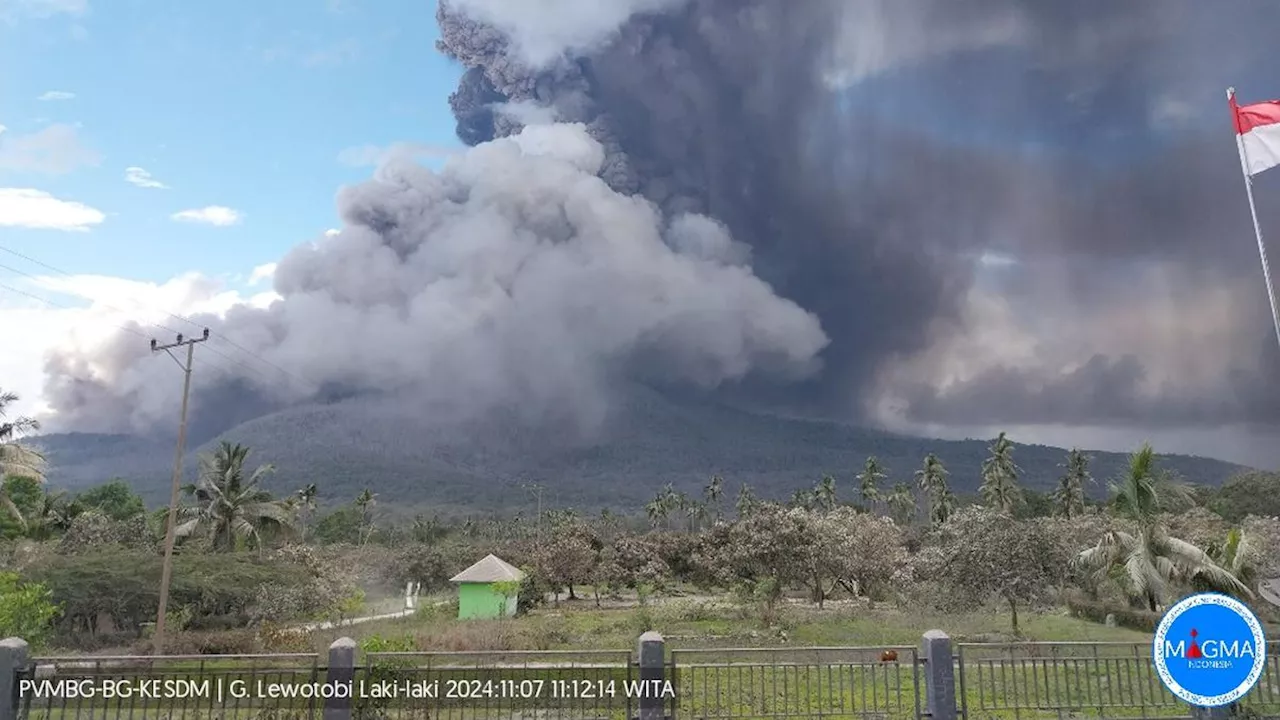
<point>651,441</point>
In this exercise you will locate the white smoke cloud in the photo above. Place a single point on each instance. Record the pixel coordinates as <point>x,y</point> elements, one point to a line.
<point>513,276</point>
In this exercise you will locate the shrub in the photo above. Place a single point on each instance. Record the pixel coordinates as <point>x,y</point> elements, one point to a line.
<point>1132,618</point>
<point>26,609</point>
<point>220,642</point>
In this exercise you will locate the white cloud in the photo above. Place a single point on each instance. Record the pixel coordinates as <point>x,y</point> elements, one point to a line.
<point>262,273</point>
<point>109,302</point>
<point>142,178</point>
<point>55,150</point>
<point>56,95</point>
<point>3,128</point>
<point>211,215</point>
<point>374,155</point>
<point>29,208</point>
<point>10,10</point>
<point>331,232</point>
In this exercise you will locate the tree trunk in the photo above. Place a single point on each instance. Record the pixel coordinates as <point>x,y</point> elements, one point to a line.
<point>572,596</point>
<point>1013,608</point>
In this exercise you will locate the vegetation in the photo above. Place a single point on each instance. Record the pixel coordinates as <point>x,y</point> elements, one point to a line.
<point>253,562</point>
<point>414,467</point>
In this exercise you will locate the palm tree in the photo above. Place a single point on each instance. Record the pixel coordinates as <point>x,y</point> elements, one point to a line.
<point>52,516</point>
<point>1142,555</point>
<point>902,504</point>
<point>1000,477</point>
<point>656,511</point>
<point>233,507</point>
<point>1068,499</point>
<point>942,504</point>
<point>824,495</point>
<point>305,501</point>
<point>746,501</point>
<point>931,474</point>
<point>869,481</point>
<point>713,492</point>
<point>16,458</point>
<point>366,501</point>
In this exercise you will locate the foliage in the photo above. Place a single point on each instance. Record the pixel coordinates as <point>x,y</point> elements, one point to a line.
<point>113,499</point>
<point>17,458</point>
<point>1000,477</point>
<point>26,609</point>
<point>1133,618</point>
<point>230,507</point>
<point>1141,556</point>
<point>119,587</point>
<point>342,525</point>
<point>984,553</point>
<point>20,499</point>
<point>1069,496</point>
<point>94,529</point>
<point>1253,493</point>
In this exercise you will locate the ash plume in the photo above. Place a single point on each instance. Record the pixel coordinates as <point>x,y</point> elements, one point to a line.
<point>909,212</point>
<point>873,153</point>
<point>515,279</point>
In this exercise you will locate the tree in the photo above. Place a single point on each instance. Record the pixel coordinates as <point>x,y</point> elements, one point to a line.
<point>231,507</point>
<point>824,494</point>
<point>365,502</point>
<point>570,558</point>
<point>746,501</point>
<point>1000,477</point>
<point>713,493</point>
<point>869,481</point>
<point>16,458</point>
<point>1068,498</point>
<point>26,609</point>
<point>114,499</point>
<point>23,497</point>
<point>932,480</point>
<point>1254,493</point>
<point>1141,554</point>
<point>306,504</point>
<point>902,504</point>
<point>986,553</point>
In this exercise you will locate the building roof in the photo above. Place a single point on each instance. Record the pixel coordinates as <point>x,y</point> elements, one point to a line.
<point>490,569</point>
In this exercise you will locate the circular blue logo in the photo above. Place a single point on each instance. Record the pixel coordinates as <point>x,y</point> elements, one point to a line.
<point>1209,650</point>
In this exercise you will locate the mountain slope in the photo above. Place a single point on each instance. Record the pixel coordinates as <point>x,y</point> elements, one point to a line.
<point>387,445</point>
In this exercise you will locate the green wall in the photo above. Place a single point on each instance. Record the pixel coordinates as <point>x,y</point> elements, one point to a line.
<point>481,600</point>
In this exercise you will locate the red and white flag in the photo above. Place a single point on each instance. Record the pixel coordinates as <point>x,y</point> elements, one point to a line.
<point>1258,126</point>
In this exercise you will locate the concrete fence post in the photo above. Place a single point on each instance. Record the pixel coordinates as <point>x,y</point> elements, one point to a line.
<point>341,671</point>
<point>651,655</point>
<point>939,676</point>
<point>14,656</point>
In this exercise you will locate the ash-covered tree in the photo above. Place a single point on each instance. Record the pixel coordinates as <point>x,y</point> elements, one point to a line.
<point>1140,554</point>
<point>986,553</point>
<point>230,504</point>
<point>570,558</point>
<point>16,458</point>
<point>1000,477</point>
<point>869,481</point>
<point>1068,498</point>
<point>902,504</point>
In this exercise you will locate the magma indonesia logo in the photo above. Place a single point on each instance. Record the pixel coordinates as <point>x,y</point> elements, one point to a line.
<point>1209,650</point>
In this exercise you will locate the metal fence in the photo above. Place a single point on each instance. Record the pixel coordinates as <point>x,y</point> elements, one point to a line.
<point>1080,680</point>
<point>826,682</point>
<point>940,680</point>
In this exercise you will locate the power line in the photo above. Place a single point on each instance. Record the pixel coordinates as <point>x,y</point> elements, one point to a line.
<point>123,328</point>
<point>221,336</point>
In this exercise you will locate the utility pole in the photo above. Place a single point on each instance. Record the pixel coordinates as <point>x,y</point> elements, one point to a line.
<point>166,571</point>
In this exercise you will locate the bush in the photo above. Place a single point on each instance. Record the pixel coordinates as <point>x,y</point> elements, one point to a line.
<point>1132,618</point>
<point>26,609</point>
<point>222,642</point>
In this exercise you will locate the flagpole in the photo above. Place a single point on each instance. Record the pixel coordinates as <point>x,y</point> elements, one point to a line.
<point>1253,212</point>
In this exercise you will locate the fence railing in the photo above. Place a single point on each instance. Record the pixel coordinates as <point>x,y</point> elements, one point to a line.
<point>852,682</point>
<point>938,680</point>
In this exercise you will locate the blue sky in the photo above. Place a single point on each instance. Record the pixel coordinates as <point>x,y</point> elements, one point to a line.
<point>263,108</point>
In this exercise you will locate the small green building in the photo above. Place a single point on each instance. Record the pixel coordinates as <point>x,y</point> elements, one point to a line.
<point>480,589</point>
